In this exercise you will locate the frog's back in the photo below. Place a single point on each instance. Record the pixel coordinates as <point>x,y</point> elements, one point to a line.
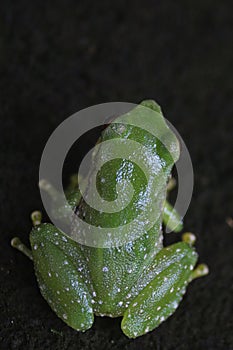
<point>141,150</point>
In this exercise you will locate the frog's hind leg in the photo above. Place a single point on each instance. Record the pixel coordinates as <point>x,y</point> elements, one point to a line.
<point>161,287</point>
<point>62,276</point>
<point>61,273</point>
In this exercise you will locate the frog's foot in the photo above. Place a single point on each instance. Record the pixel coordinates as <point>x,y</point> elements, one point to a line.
<point>161,288</point>
<point>16,243</point>
<point>36,218</point>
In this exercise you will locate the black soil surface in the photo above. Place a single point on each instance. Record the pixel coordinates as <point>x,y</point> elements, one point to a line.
<point>59,57</point>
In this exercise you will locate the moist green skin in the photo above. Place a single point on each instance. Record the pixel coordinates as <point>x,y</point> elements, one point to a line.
<point>140,280</point>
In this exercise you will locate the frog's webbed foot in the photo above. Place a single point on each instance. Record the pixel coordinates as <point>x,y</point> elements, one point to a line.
<point>161,287</point>
<point>61,273</point>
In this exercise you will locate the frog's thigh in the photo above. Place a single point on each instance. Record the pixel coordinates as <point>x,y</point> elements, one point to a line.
<point>57,261</point>
<point>168,277</point>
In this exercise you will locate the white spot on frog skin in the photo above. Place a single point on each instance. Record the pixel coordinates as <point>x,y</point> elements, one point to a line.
<point>42,244</point>
<point>56,234</point>
<point>64,239</point>
<point>135,304</point>
<point>147,329</point>
<point>66,262</point>
<point>105,269</point>
<point>171,290</point>
<point>67,289</point>
<point>58,292</point>
<point>49,274</point>
<point>118,290</point>
<point>64,316</point>
<point>158,308</point>
<point>191,267</point>
<point>100,302</point>
<point>94,294</point>
<point>129,271</point>
<point>56,274</point>
<point>56,242</point>
<point>128,296</point>
<point>120,303</point>
<point>178,250</point>
<point>35,246</point>
<point>165,279</point>
<point>93,301</point>
<point>162,318</point>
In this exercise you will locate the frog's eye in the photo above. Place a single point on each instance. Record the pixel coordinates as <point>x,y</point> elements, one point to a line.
<point>61,276</point>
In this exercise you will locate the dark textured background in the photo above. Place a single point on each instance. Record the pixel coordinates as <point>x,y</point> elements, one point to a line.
<point>57,58</point>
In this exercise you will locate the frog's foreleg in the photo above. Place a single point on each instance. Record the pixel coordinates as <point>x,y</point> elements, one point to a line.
<point>160,288</point>
<point>61,210</point>
<point>171,185</point>
<point>171,217</point>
